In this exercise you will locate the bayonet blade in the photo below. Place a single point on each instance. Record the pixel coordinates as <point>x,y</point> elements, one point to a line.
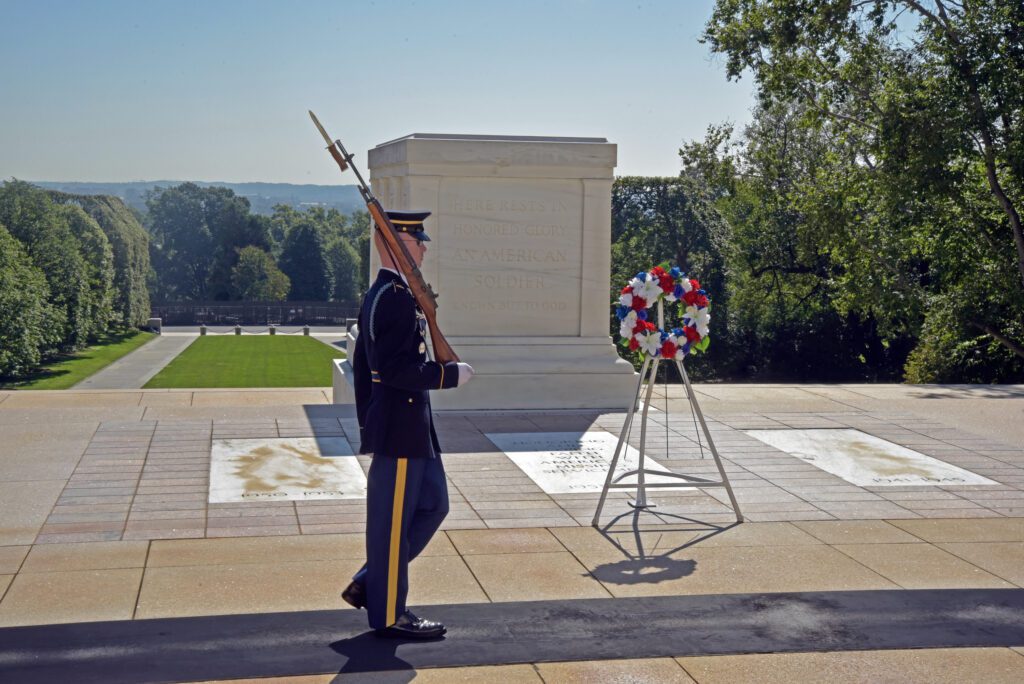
<point>316,121</point>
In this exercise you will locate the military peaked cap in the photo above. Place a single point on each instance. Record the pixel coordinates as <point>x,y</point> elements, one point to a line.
<point>410,222</point>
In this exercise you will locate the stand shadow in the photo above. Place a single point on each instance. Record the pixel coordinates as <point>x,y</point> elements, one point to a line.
<point>643,568</point>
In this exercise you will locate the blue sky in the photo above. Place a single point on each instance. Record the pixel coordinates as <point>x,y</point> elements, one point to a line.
<point>218,90</point>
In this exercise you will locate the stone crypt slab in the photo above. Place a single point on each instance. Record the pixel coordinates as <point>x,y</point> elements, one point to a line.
<point>300,469</point>
<point>520,255</point>
<point>866,460</point>
<point>571,462</point>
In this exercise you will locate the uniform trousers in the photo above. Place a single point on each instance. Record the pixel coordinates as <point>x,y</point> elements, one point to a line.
<point>406,500</point>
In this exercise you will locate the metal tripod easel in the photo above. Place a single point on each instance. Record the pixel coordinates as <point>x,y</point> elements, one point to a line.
<point>649,372</point>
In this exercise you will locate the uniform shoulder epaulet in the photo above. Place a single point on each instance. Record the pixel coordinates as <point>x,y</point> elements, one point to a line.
<point>386,292</point>
<point>398,288</point>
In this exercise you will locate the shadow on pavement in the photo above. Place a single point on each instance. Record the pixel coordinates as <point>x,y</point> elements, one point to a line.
<point>366,654</point>
<point>639,567</point>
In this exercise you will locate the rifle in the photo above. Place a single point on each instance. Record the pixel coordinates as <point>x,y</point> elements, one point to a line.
<point>421,290</point>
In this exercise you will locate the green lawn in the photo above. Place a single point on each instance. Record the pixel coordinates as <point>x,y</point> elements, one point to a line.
<point>71,369</point>
<point>250,361</point>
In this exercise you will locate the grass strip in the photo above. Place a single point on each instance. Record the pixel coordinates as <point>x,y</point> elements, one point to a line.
<point>70,369</point>
<point>249,361</point>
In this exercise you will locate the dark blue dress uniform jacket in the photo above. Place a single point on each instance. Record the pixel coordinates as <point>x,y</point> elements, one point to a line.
<point>393,375</point>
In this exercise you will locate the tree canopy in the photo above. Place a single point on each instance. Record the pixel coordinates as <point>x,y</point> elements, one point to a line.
<point>304,261</point>
<point>129,243</point>
<point>45,233</point>
<point>894,141</point>
<point>257,278</point>
<point>29,325</point>
<point>196,236</point>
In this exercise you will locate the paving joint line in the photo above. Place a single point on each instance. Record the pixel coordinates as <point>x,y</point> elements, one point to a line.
<point>590,572</point>
<point>67,481</point>
<point>3,594</point>
<point>970,451</point>
<point>683,667</point>
<point>972,563</point>
<point>463,497</point>
<point>471,573</point>
<point>138,483</point>
<point>142,579</point>
<point>838,401</point>
<point>208,446</point>
<point>869,569</point>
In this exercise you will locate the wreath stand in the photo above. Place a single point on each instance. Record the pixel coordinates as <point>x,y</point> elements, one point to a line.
<point>649,372</point>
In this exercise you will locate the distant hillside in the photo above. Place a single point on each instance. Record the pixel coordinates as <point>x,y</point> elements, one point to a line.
<point>262,196</point>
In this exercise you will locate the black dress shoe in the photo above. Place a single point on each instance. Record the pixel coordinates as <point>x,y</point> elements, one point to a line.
<point>409,626</point>
<point>355,595</point>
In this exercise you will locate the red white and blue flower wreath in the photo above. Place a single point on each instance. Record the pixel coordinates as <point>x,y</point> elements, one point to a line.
<point>643,336</point>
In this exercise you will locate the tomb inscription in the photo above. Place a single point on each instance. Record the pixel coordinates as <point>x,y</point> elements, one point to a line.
<point>511,248</point>
<point>570,462</point>
<point>300,469</point>
<point>866,460</point>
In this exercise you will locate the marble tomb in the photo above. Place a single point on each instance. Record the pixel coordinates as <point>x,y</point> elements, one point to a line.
<point>520,255</point>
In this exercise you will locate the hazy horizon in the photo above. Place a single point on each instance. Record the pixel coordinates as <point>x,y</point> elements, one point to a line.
<point>117,91</point>
<point>216,181</point>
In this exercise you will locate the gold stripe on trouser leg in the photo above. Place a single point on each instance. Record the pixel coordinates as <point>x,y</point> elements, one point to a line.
<point>396,541</point>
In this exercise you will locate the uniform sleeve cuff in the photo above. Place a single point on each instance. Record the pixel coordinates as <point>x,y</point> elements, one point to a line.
<point>449,375</point>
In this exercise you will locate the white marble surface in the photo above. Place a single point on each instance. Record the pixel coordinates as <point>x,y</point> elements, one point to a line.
<point>571,462</point>
<point>866,460</point>
<point>299,469</point>
<point>520,255</point>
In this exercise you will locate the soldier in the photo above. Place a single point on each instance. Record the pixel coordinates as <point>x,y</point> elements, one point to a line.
<point>407,497</point>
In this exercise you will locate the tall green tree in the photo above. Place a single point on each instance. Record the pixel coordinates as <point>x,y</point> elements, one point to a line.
<point>32,217</point>
<point>99,266</point>
<point>788,318</point>
<point>196,237</point>
<point>181,242</point>
<point>359,234</point>
<point>346,268</point>
<point>921,102</point>
<point>29,325</point>
<point>257,278</point>
<point>130,245</point>
<point>234,229</point>
<point>334,227</point>
<point>657,219</point>
<point>304,261</point>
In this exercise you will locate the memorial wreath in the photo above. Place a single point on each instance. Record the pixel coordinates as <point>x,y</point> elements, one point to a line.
<point>670,286</point>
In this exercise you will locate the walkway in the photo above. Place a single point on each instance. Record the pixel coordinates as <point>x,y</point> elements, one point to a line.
<point>109,490</point>
<point>135,369</point>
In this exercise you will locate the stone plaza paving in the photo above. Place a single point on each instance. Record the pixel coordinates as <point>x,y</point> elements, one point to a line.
<point>104,515</point>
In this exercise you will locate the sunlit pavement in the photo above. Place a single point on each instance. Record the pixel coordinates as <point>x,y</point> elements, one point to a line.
<point>103,502</point>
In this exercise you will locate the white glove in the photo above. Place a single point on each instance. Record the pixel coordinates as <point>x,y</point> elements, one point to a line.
<point>465,373</point>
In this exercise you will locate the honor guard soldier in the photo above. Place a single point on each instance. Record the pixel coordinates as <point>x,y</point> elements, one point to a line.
<point>407,497</point>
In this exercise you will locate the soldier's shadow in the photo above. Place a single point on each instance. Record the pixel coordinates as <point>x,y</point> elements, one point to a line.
<point>372,659</point>
<point>645,566</point>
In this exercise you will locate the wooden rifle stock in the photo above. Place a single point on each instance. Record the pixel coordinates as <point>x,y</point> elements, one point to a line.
<point>421,290</point>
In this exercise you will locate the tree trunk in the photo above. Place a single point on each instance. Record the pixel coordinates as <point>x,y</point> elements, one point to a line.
<point>1000,338</point>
